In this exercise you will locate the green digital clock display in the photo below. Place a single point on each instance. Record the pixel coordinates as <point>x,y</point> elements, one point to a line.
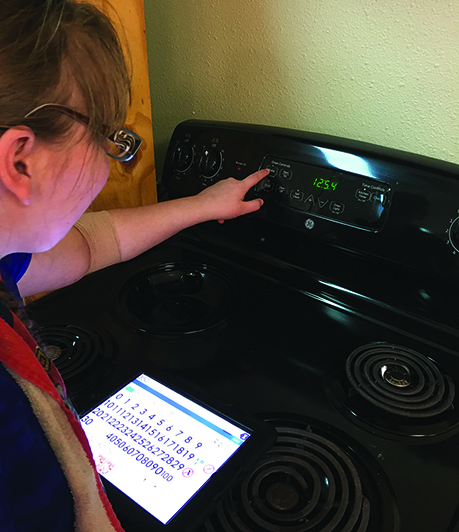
<point>325,184</point>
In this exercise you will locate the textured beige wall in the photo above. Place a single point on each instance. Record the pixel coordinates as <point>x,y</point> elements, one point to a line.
<point>385,72</point>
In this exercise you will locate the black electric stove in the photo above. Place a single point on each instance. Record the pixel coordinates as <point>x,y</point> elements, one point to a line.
<point>330,313</point>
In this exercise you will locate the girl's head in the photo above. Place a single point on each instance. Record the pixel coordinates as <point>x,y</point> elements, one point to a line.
<point>64,52</point>
<point>51,166</point>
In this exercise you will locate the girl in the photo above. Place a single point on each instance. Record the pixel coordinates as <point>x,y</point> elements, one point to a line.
<point>64,92</point>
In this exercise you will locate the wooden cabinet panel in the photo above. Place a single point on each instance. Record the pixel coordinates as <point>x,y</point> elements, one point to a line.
<point>133,183</point>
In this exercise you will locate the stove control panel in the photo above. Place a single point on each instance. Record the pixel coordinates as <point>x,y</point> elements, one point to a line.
<point>327,193</point>
<point>300,182</point>
<point>346,194</point>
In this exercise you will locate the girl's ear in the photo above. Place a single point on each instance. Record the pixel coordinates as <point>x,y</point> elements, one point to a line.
<point>16,146</point>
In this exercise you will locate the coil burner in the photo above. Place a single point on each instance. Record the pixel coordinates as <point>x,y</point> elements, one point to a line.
<point>309,481</point>
<point>81,355</point>
<point>397,389</point>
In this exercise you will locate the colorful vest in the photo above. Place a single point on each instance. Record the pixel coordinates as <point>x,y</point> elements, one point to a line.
<point>37,424</point>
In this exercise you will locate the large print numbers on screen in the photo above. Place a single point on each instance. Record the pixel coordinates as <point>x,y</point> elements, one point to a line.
<point>137,415</point>
<point>143,452</point>
<point>144,432</point>
<point>144,435</point>
<point>142,458</point>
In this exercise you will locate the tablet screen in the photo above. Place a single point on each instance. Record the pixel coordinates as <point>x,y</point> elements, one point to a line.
<point>157,446</point>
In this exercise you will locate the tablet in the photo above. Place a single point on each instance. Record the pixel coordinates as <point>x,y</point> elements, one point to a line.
<point>167,453</point>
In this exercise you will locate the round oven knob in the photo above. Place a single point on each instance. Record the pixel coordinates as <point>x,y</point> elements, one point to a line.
<point>454,234</point>
<point>210,163</point>
<point>182,156</point>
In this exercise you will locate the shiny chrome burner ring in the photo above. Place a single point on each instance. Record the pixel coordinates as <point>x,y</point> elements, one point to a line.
<point>400,381</point>
<point>396,374</point>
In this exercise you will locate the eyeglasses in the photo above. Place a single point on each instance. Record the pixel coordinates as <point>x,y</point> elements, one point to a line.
<point>124,143</point>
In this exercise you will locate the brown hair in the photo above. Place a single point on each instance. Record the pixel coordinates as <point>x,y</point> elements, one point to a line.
<point>47,49</point>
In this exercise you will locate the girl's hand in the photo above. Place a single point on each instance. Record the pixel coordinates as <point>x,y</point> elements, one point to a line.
<point>225,199</point>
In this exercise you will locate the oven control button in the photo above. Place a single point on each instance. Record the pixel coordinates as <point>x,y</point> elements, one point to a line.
<point>378,197</point>
<point>182,156</point>
<point>453,233</point>
<point>336,208</point>
<point>265,185</point>
<point>272,170</point>
<point>363,194</point>
<point>281,190</point>
<point>210,163</point>
<point>297,195</point>
<point>285,174</point>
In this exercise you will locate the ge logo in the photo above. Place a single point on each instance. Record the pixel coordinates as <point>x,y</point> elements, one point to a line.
<point>309,224</point>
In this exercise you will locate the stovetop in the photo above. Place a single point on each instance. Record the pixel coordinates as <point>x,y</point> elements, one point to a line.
<point>352,355</point>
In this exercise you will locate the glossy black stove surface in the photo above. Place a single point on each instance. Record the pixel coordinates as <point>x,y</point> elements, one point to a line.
<point>347,457</point>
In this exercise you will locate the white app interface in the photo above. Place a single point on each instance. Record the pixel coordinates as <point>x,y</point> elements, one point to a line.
<point>157,446</point>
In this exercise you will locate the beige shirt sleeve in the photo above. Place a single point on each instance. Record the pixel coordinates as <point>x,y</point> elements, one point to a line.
<point>99,231</point>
